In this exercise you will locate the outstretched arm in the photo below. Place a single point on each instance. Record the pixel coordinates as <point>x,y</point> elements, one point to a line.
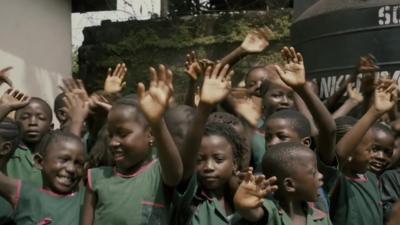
<point>384,101</point>
<point>154,103</point>
<point>215,88</point>
<point>256,41</point>
<point>293,75</point>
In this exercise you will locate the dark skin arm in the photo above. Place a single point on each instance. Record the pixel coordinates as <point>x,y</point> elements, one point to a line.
<point>154,103</point>
<point>294,76</point>
<point>193,70</point>
<point>8,189</point>
<point>89,207</point>
<point>384,101</point>
<point>215,88</point>
<point>354,99</point>
<point>255,42</point>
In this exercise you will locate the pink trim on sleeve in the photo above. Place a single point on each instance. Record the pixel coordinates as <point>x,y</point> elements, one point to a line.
<point>17,194</point>
<point>157,205</point>
<point>90,179</point>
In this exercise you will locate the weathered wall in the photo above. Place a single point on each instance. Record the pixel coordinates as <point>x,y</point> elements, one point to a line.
<point>36,40</point>
<point>141,44</point>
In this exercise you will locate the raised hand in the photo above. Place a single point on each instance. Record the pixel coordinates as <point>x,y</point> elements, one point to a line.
<point>293,73</point>
<point>385,96</point>
<point>253,190</point>
<point>246,107</point>
<point>115,79</point>
<point>192,66</point>
<point>77,108</point>
<point>75,87</point>
<point>367,64</point>
<point>100,101</point>
<point>13,99</point>
<point>4,77</point>
<point>216,84</point>
<point>354,95</point>
<point>154,101</point>
<point>257,40</point>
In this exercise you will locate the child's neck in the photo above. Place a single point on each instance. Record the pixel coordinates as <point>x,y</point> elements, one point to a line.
<point>31,147</point>
<point>295,211</point>
<point>3,166</point>
<point>349,172</point>
<point>224,197</point>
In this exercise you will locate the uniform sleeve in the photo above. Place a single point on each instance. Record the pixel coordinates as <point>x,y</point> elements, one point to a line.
<point>390,185</point>
<point>183,203</point>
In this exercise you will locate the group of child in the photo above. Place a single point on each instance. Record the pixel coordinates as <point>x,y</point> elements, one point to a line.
<point>268,151</point>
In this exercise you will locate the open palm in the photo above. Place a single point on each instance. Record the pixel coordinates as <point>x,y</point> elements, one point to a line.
<point>384,97</point>
<point>14,99</point>
<point>115,80</point>
<point>293,73</point>
<point>154,102</point>
<point>216,84</point>
<point>257,40</point>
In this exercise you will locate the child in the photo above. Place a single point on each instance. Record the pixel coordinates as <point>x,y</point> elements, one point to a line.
<point>60,110</point>
<point>208,197</point>
<point>179,119</point>
<point>294,168</point>
<point>9,140</point>
<point>35,119</point>
<point>355,198</point>
<point>390,190</point>
<point>60,159</point>
<point>382,150</point>
<point>209,156</point>
<point>138,189</point>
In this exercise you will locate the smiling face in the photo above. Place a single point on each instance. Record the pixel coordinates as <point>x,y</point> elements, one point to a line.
<point>382,151</point>
<point>129,138</point>
<point>62,165</point>
<point>35,120</point>
<point>278,97</point>
<point>215,162</point>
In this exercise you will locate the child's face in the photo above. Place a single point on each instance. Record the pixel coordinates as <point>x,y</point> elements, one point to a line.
<point>35,122</point>
<point>307,178</point>
<point>255,77</point>
<point>215,162</point>
<point>62,166</point>
<point>362,155</point>
<point>279,131</point>
<point>129,138</point>
<point>382,151</point>
<point>278,97</point>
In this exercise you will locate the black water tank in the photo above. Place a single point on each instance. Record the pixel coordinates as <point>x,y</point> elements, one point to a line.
<point>333,34</point>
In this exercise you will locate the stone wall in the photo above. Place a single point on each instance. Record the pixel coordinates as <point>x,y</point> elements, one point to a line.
<point>141,44</point>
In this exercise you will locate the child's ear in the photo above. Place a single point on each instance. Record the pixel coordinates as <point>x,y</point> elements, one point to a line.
<point>289,184</point>
<point>38,158</point>
<point>150,137</point>
<point>306,141</point>
<point>5,148</point>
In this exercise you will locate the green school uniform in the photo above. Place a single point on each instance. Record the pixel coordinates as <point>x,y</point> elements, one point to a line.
<point>134,199</point>
<point>353,201</point>
<point>6,212</point>
<point>195,207</point>
<point>258,147</point>
<point>277,216</point>
<point>21,166</point>
<point>36,206</point>
<point>390,190</point>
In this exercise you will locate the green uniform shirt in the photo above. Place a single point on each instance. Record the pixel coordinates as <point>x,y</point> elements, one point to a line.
<point>277,216</point>
<point>258,147</point>
<point>353,201</point>
<point>194,207</point>
<point>36,206</point>
<point>6,212</point>
<point>135,199</point>
<point>390,190</point>
<point>21,166</point>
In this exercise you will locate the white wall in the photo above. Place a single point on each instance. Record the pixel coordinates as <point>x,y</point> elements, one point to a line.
<point>35,38</point>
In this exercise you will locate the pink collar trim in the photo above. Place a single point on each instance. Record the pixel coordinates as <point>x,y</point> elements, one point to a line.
<point>141,170</point>
<point>56,194</point>
<point>361,178</point>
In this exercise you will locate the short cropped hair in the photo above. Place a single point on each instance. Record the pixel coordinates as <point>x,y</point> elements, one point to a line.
<point>298,122</point>
<point>280,160</point>
<point>56,136</point>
